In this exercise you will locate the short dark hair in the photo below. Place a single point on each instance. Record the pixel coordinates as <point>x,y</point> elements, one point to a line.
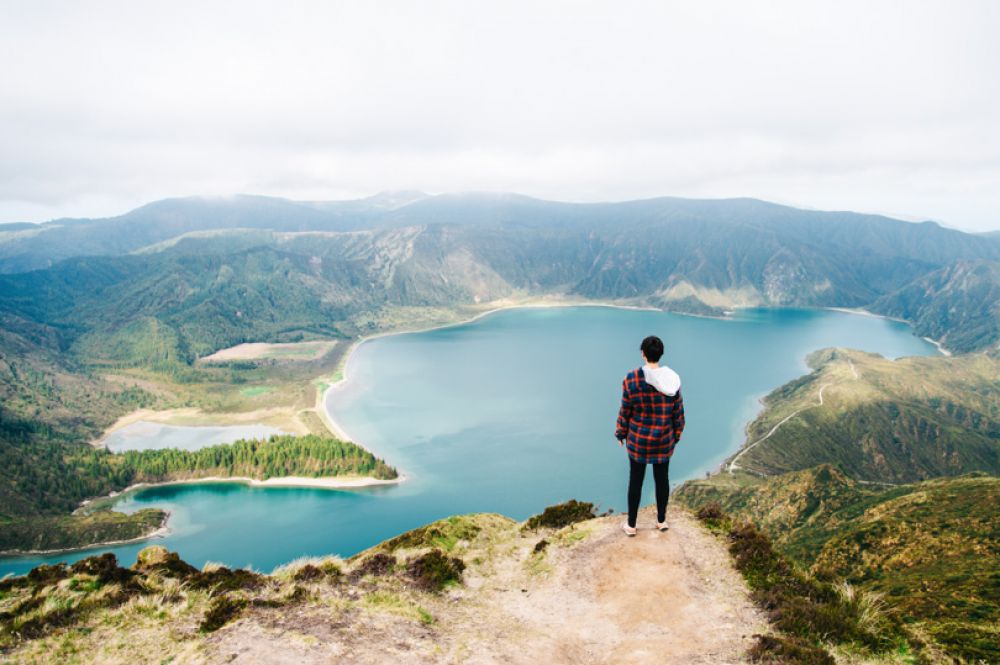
<point>652,348</point>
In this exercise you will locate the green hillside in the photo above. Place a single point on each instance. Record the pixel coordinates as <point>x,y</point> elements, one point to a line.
<point>929,549</point>
<point>408,250</point>
<point>890,484</point>
<point>53,402</point>
<point>882,420</point>
<point>959,305</point>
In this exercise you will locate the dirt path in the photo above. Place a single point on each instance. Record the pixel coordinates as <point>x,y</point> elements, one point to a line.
<point>732,466</point>
<point>658,598</point>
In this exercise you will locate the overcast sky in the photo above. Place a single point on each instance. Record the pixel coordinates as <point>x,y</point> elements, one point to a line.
<point>890,107</point>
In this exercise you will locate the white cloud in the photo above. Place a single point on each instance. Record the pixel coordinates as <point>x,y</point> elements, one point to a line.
<point>883,106</point>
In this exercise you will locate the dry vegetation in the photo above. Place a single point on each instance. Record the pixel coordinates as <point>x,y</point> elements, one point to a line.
<point>471,588</point>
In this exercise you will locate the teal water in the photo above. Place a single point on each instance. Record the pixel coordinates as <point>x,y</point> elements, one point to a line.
<point>508,414</point>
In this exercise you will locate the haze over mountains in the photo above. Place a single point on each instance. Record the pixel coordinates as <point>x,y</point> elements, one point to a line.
<point>224,261</point>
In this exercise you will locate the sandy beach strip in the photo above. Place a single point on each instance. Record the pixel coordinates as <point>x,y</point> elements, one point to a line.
<point>864,312</point>
<point>322,482</point>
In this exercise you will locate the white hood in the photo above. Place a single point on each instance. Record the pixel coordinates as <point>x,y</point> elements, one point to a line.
<point>664,379</point>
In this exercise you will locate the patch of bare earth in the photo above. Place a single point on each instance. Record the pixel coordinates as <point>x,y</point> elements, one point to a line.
<point>592,595</point>
<point>259,350</point>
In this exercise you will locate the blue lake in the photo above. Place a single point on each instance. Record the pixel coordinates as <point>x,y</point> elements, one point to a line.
<point>509,414</point>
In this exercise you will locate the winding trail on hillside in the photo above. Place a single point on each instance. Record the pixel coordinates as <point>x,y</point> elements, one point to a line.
<point>732,466</point>
<point>732,463</point>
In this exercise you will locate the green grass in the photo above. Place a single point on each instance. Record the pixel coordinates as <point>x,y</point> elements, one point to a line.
<point>444,534</point>
<point>809,615</point>
<point>943,412</point>
<point>394,603</point>
<point>928,549</point>
<point>68,531</point>
<point>255,391</point>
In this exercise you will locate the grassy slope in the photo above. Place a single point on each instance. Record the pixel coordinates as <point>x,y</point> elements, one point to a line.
<point>929,545</point>
<point>898,421</point>
<point>471,584</point>
<point>929,548</point>
<point>110,341</point>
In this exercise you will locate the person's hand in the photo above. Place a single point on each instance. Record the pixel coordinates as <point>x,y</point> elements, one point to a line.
<point>621,443</point>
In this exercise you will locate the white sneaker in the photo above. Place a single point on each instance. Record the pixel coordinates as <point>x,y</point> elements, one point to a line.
<point>662,526</point>
<point>629,530</point>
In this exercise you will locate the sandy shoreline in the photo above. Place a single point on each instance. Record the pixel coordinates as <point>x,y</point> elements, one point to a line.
<point>323,482</point>
<point>864,312</point>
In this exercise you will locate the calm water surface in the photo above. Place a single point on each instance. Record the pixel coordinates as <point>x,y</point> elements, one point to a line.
<point>507,414</point>
<point>143,435</point>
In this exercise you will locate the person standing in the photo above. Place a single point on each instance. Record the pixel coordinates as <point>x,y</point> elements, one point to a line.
<point>650,423</point>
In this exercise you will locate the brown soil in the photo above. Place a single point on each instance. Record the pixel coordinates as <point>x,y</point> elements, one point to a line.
<point>592,596</point>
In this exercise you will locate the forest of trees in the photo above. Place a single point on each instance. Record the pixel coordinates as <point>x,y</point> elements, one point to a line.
<point>281,455</point>
<point>46,477</point>
<point>55,478</point>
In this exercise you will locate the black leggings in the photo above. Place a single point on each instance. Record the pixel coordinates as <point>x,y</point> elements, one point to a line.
<point>637,472</point>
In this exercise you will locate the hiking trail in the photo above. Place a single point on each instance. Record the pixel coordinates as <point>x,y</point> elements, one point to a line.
<point>657,598</point>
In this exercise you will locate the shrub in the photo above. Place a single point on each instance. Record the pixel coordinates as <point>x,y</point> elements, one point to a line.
<point>787,651</point>
<point>43,575</point>
<point>799,605</point>
<point>157,558</point>
<point>222,610</point>
<point>377,564</point>
<point>220,580</point>
<point>710,511</point>
<point>434,570</point>
<point>563,514</point>
<point>307,573</point>
<point>104,567</point>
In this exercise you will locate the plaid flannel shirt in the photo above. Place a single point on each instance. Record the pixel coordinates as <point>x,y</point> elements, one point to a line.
<point>650,422</point>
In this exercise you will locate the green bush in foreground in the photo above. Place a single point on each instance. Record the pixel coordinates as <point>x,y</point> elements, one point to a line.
<point>562,515</point>
<point>434,570</point>
<point>222,610</point>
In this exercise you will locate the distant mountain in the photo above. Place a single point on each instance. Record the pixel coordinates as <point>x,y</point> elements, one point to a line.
<point>268,266</point>
<point>959,305</point>
<point>169,218</point>
<point>9,227</point>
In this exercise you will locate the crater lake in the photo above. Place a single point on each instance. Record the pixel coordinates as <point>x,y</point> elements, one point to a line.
<point>508,413</point>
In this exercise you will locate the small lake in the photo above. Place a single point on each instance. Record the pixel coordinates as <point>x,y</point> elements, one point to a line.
<point>509,414</point>
<point>144,435</point>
